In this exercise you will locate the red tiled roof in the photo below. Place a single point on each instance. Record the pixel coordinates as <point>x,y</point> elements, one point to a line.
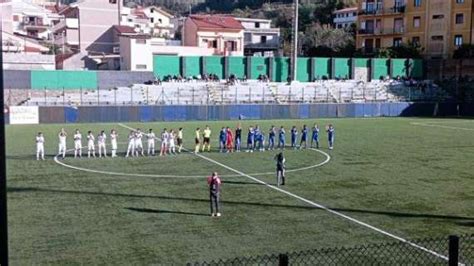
<point>124,29</point>
<point>216,22</point>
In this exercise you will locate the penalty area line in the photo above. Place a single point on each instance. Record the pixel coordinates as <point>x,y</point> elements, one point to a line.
<point>314,204</point>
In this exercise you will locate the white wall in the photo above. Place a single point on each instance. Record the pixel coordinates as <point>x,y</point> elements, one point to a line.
<point>28,61</point>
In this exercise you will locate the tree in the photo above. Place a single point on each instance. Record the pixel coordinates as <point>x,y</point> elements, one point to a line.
<point>464,51</point>
<point>409,50</point>
<point>323,40</point>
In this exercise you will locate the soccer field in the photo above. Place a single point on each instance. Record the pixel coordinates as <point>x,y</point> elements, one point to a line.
<point>409,178</point>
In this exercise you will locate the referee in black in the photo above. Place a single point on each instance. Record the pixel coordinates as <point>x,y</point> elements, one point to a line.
<point>280,168</point>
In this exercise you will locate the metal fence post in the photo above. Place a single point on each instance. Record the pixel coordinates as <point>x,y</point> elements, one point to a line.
<point>45,96</point>
<point>283,260</point>
<point>453,250</point>
<point>98,96</point>
<point>115,96</point>
<point>80,95</point>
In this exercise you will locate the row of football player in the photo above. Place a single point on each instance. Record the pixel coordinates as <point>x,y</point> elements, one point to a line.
<point>230,140</point>
<point>171,139</point>
<point>135,144</point>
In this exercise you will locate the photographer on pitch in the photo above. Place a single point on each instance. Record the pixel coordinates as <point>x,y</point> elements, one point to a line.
<point>214,183</point>
<point>280,168</point>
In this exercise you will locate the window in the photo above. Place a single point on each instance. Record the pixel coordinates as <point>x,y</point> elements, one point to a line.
<point>437,37</point>
<point>247,37</point>
<point>415,40</point>
<point>459,18</point>
<point>459,1</point>
<point>417,3</point>
<point>438,16</point>
<point>212,44</point>
<point>458,40</point>
<point>152,20</point>
<point>140,66</point>
<point>152,10</point>
<point>263,39</point>
<point>397,42</point>
<point>416,22</point>
<point>140,41</point>
<point>112,1</point>
<point>257,25</point>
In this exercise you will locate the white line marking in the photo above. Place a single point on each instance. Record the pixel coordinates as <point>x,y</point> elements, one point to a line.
<point>441,126</point>
<point>317,205</point>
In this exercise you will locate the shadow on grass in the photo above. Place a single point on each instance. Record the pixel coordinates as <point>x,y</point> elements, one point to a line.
<point>256,204</point>
<point>165,211</point>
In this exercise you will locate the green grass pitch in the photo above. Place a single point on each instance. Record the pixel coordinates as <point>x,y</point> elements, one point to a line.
<point>410,180</point>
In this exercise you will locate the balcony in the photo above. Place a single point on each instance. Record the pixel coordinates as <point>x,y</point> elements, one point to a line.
<point>68,23</point>
<point>400,9</point>
<point>386,31</point>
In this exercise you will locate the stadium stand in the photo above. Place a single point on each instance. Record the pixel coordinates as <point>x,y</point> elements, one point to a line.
<point>243,92</point>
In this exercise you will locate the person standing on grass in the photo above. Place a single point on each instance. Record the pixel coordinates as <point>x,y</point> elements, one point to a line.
<point>131,144</point>
<point>330,131</point>
<point>304,137</point>
<point>222,139</point>
<point>171,142</point>
<point>238,138</point>
<point>206,139</point>
<point>271,138</point>
<point>101,143</point>
<point>164,142</point>
<point>77,144</point>
<point>40,146</point>
<point>138,143</point>
<point>214,183</point>
<point>62,143</point>
<point>280,168</point>
<point>197,140</point>
<point>179,139</point>
<point>281,138</point>
<point>150,142</point>
<point>113,142</point>
<point>230,140</point>
<point>294,135</point>
<point>315,136</point>
<point>250,139</point>
<point>91,145</point>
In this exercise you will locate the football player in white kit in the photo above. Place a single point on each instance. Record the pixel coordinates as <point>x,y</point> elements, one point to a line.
<point>62,143</point>
<point>151,142</point>
<point>171,142</point>
<point>101,143</point>
<point>113,142</point>
<point>131,144</point>
<point>90,144</point>
<point>139,143</point>
<point>164,142</point>
<point>40,146</point>
<point>77,144</point>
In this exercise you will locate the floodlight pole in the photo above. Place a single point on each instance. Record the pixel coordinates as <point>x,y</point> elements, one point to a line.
<point>3,171</point>
<point>295,41</point>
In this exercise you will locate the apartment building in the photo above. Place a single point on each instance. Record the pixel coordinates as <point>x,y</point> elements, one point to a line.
<point>224,34</point>
<point>149,20</point>
<point>260,38</point>
<point>87,31</point>
<point>344,18</point>
<point>438,26</point>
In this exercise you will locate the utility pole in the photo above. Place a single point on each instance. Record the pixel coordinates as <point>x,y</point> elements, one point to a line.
<point>3,171</point>
<point>295,42</point>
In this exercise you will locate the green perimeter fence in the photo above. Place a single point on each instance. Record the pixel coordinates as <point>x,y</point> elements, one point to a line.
<point>452,250</point>
<point>276,69</point>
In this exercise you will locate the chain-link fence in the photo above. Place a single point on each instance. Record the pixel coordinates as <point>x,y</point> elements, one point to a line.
<point>428,251</point>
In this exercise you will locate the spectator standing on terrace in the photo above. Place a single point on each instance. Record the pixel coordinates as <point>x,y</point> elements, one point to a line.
<point>214,183</point>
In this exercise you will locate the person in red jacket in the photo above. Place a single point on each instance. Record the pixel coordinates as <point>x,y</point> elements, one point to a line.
<point>230,140</point>
<point>214,183</point>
